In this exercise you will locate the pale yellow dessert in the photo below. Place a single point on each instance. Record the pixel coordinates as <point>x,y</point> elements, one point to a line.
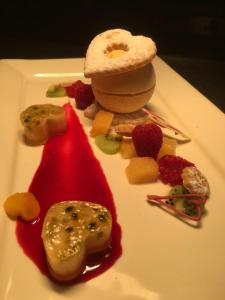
<point>71,231</point>
<point>42,121</point>
<point>126,92</point>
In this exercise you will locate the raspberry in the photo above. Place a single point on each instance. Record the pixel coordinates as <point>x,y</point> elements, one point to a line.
<point>170,169</point>
<point>70,90</point>
<point>83,94</point>
<point>147,139</point>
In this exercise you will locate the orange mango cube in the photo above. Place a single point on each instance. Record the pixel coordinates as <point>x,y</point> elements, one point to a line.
<point>23,205</point>
<point>142,170</point>
<point>168,147</point>
<point>127,149</point>
<point>101,123</point>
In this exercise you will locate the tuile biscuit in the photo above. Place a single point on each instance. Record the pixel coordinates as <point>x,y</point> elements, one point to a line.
<point>135,52</point>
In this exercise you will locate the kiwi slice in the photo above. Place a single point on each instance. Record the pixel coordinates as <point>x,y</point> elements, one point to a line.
<point>108,144</point>
<point>56,91</point>
<point>177,202</point>
<point>183,204</point>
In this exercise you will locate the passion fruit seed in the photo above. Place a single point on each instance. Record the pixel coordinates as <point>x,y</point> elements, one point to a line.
<point>92,225</point>
<point>69,229</point>
<point>74,216</point>
<point>102,218</point>
<point>170,202</point>
<point>69,209</point>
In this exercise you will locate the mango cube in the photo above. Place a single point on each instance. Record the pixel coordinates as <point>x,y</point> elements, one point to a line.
<point>168,147</point>
<point>142,170</point>
<point>127,149</point>
<point>101,123</point>
<point>23,205</point>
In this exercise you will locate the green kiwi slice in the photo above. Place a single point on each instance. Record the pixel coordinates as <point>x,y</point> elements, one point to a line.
<point>56,91</point>
<point>108,144</point>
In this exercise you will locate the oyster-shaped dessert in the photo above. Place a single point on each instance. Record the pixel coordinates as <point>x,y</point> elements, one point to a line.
<point>71,231</point>
<point>41,121</point>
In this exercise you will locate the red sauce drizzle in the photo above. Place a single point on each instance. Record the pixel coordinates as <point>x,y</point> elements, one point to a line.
<point>69,171</point>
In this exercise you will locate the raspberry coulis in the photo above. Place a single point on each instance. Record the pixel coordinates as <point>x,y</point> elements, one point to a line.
<point>69,171</point>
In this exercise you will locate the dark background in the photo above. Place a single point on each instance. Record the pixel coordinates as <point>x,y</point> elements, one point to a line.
<point>190,35</point>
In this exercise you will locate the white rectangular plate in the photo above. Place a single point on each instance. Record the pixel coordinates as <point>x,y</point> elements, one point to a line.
<point>163,258</point>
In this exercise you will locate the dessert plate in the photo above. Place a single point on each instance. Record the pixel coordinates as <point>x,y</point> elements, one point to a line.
<point>163,257</point>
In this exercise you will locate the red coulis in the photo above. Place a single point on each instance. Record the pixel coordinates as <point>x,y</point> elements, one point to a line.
<point>69,171</point>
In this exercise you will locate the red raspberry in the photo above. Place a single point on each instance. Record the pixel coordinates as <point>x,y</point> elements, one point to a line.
<point>70,90</point>
<point>83,94</point>
<point>170,169</point>
<point>147,139</point>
